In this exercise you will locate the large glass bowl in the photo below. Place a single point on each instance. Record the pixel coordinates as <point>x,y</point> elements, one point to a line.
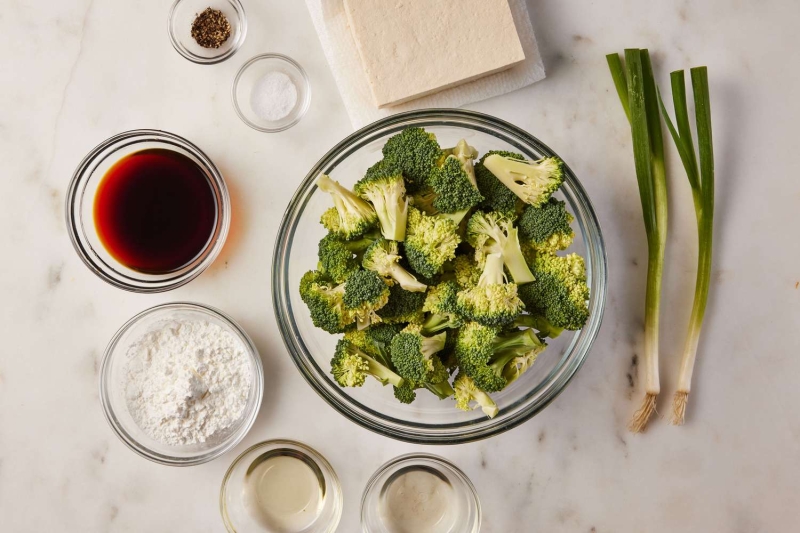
<point>428,420</point>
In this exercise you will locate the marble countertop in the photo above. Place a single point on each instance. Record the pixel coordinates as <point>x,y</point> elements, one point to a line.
<point>76,72</point>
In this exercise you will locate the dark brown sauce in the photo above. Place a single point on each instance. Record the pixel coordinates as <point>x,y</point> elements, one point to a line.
<point>155,211</point>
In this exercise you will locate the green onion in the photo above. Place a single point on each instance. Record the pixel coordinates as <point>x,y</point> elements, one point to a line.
<point>638,93</point>
<point>701,180</point>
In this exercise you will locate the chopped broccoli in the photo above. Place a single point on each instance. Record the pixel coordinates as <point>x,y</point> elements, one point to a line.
<point>430,241</point>
<point>519,364</point>
<point>467,271</point>
<point>375,340</point>
<point>560,291</point>
<point>403,306</point>
<point>325,301</point>
<point>439,264</point>
<point>338,258</point>
<point>383,185</point>
<point>452,181</point>
<point>382,257</point>
<point>413,355</point>
<point>493,233</point>
<point>532,181</point>
<point>351,216</point>
<point>452,187</point>
<point>466,391</point>
<point>483,354</point>
<point>441,304</point>
<point>415,152</point>
<point>547,228</point>
<point>497,197</point>
<point>364,294</point>
<point>351,366</point>
<point>407,392</point>
<point>492,302</point>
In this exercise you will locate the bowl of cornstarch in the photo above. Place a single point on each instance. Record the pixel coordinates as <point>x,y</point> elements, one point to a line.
<point>181,383</point>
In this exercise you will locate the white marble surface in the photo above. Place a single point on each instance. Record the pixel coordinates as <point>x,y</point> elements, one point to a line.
<point>74,73</point>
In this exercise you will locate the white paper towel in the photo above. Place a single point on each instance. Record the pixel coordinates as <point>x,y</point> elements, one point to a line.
<point>340,49</point>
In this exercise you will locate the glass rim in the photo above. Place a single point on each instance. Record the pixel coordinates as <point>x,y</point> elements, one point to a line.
<point>461,432</point>
<point>143,283</point>
<point>131,442</point>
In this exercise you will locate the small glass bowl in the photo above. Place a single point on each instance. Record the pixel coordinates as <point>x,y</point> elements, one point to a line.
<point>466,517</point>
<point>181,17</point>
<point>251,72</point>
<point>80,211</point>
<point>231,504</point>
<point>113,393</point>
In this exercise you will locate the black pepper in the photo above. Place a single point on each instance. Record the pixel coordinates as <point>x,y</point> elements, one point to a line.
<point>211,28</point>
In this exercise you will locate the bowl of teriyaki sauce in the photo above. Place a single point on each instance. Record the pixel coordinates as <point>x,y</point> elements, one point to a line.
<point>147,211</point>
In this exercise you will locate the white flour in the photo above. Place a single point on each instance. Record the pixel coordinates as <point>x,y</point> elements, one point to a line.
<point>186,381</point>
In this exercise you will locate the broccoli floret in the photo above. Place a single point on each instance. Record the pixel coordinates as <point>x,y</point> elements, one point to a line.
<point>494,233</point>
<point>413,355</point>
<point>547,228</point>
<point>383,185</point>
<point>430,241</point>
<point>560,291</point>
<point>519,364</point>
<point>375,340</point>
<point>492,302</point>
<point>325,302</point>
<point>351,215</point>
<point>440,302</point>
<point>351,366</point>
<point>483,354</point>
<point>403,306</point>
<point>452,181</point>
<point>415,152</point>
<point>532,181</point>
<point>466,391</point>
<point>382,257</point>
<point>453,189</point>
<point>364,294</point>
<point>407,392</point>
<point>467,272</point>
<point>497,197</point>
<point>338,259</point>
<point>543,326</point>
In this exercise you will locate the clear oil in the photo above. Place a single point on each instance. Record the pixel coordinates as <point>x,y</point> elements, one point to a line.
<point>284,490</point>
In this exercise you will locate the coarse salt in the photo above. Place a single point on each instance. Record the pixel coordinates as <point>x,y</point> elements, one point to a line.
<point>273,96</point>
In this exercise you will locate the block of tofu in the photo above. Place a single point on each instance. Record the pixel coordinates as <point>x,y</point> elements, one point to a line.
<point>411,48</point>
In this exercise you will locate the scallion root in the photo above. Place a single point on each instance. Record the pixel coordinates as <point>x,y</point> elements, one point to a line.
<point>640,418</point>
<point>679,408</point>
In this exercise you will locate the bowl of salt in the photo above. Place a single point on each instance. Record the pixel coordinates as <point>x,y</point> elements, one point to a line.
<point>271,93</point>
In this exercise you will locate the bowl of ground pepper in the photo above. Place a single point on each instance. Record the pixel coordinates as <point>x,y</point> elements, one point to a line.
<point>207,31</point>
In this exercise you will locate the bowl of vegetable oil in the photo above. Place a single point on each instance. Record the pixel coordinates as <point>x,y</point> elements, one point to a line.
<point>428,419</point>
<point>281,486</point>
